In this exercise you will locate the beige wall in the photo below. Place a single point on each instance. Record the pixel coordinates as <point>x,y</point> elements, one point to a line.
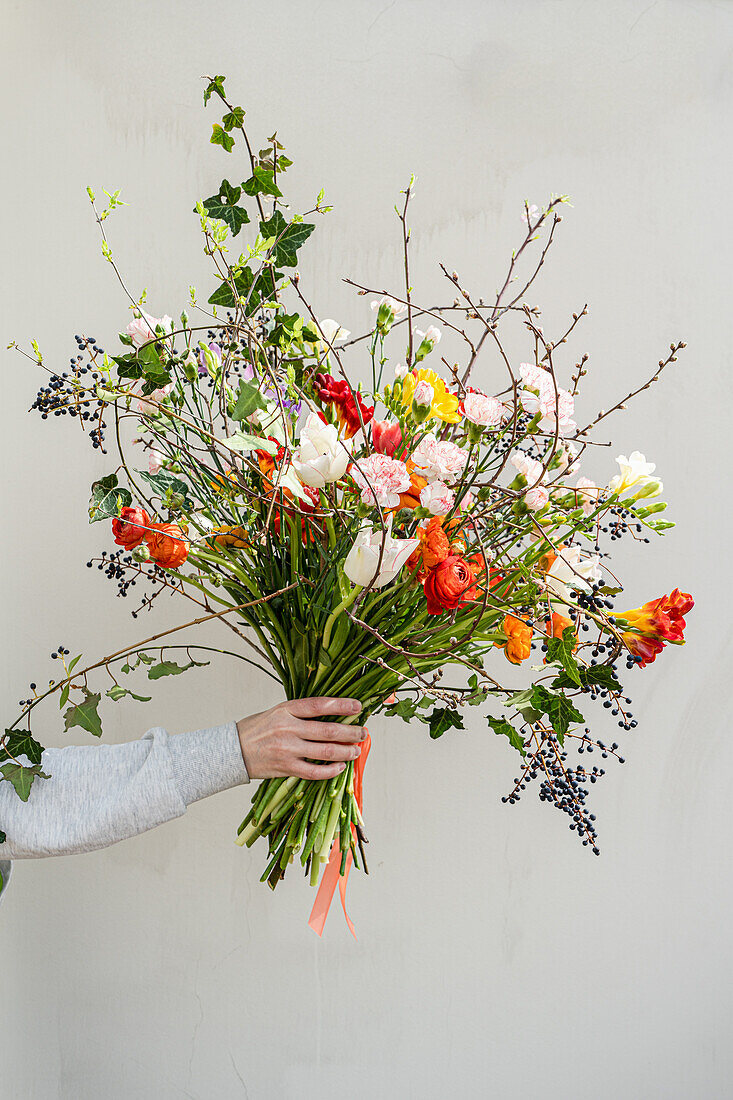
<point>495,956</point>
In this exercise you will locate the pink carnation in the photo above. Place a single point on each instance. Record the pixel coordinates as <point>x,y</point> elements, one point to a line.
<point>381,480</point>
<point>480,409</point>
<point>142,329</point>
<point>536,498</point>
<point>437,498</point>
<point>439,460</point>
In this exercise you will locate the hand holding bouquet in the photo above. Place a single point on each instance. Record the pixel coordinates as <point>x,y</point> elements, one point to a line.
<point>361,529</point>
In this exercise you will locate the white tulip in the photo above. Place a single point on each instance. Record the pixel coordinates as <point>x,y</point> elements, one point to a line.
<point>362,565</point>
<point>321,456</point>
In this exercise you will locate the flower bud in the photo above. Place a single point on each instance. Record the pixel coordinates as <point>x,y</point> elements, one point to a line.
<point>400,371</point>
<point>428,340</point>
<point>190,368</point>
<point>422,401</point>
<point>650,487</point>
<point>141,553</point>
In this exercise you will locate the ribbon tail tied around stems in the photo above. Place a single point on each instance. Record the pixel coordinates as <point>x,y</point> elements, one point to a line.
<point>331,876</point>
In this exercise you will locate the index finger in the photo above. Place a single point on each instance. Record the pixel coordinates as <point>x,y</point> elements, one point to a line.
<point>322,704</point>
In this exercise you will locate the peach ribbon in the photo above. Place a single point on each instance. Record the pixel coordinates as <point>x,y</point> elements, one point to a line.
<point>331,876</point>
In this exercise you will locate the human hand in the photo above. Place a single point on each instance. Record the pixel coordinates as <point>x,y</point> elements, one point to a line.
<point>281,741</point>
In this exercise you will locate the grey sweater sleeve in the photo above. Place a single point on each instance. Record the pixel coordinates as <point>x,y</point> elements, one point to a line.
<point>99,794</point>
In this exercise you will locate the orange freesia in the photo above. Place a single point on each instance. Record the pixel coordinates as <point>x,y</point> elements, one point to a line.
<point>557,625</point>
<point>445,404</point>
<point>518,645</point>
<point>225,483</point>
<point>655,624</point>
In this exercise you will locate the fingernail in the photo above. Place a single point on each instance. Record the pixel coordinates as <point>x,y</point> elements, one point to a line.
<point>355,705</point>
<point>364,735</point>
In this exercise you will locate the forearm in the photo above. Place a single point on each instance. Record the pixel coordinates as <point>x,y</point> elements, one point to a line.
<point>100,794</point>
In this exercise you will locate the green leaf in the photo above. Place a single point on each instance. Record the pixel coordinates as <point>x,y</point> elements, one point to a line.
<point>233,118</point>
<point>249,399</point>
<point>107,499</point>
<point>506,729</point>
<point>262,182</point>
<point>3,838</point>
<point>118,692</point>
<point>145,658</point>
<point>21,743</point>
<point>167,668</point>
<point>223,206</point>
<point>22,778</point>
<point>560,651</point>
<point>163,482</point>
<point>253,290</point>
<point>290,237</point>
<point>219,136</point>
<point>216,84</point>
<point>523,702</point>
<point>85,714</point>
<point>128,365</point>
<point>64,697</point>
<point>558,708</point>
<point>601,676</point>
<point>406,709</point>
<point>442,719</point>
<point>241,441</point>
<point>74,662</point>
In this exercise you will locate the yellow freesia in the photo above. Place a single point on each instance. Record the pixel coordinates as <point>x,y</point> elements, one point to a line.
<point>445,404</point>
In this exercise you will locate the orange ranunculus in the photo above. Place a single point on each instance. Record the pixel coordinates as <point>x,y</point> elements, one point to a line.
<point>449,584</point>
<point>126,528</point>
<point>433,548</point>
<point>557,625</point>
<point>518,645</point>
<point>656,623</point>
<point>548,559</point>
<point>225,535</point>
<point>166,544</point>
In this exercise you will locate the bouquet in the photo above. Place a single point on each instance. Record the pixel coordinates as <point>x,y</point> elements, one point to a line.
<point>359,530</point>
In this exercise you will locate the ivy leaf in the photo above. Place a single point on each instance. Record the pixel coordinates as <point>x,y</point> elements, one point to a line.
<point>85,714</point>
<point>601,676</point>
<point>21,743</point>
<point>219,136</point>
<point>523,702</point>
<point>22,778</point>
<point>442,719</point>
<point>558,708</point>
<point>145,658</point>
<point>233,118</point>
<point>406,709</point>
<point>253,290</point>
<point>128,365</point>
<point>167,669</point>
<point>243,442</point>
<point>560,651</point>
<point>216,84</point>
<point>3,838</point>
<point>163,482</point>
<point>223,206</point>
<point>290,237</point>
<point>506,729</point>
<point>107,499</point>
<point>249,399</point>
<point>262,182</point>
<point>117,692</point>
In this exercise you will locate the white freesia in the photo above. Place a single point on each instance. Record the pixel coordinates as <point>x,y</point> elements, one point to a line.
<point>321,457</point>
<point>571,570</point>
<point>634,469</point>
<point>332,332</point>
<point>362,565</point>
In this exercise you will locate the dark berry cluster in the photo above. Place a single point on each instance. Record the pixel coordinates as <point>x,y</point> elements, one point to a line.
<point>72,392</point>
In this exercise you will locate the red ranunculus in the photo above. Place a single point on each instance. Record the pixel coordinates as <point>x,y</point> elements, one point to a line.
<point>128,529</point>
<point>450,584</point>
